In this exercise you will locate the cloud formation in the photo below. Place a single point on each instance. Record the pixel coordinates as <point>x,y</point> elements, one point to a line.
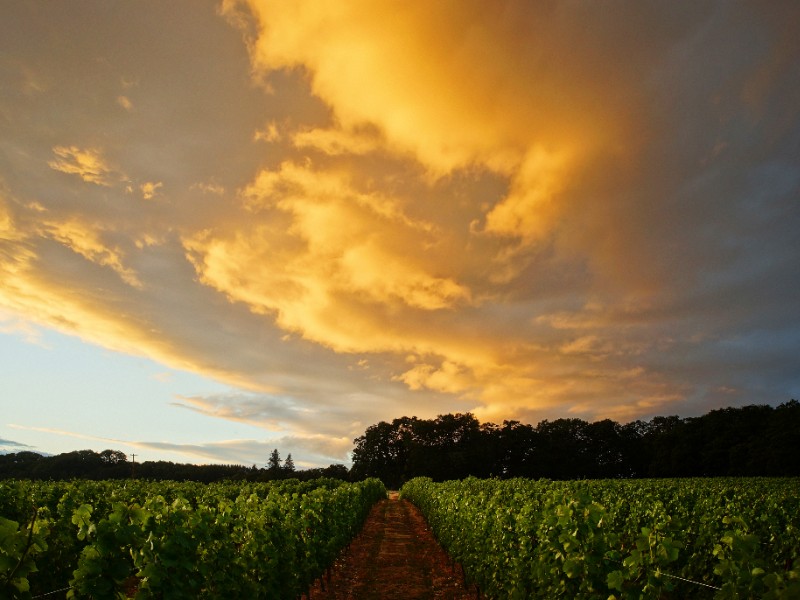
<point>88,164</point>
<point>8,446</point>
<point>355,211</point>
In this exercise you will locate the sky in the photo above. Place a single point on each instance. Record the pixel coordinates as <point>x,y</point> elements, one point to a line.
<point>227,227</point>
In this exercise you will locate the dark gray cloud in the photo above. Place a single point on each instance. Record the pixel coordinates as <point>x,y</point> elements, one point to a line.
<point>9,446</point>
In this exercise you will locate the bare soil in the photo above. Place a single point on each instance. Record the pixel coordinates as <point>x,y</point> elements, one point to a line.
<point>394,557</point>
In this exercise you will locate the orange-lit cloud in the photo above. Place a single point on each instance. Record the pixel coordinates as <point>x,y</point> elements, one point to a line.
<point>84,239</point>
<point>149,189</point>
<point>332,262</point>
<point>125,102</point>
<point>88,164</point>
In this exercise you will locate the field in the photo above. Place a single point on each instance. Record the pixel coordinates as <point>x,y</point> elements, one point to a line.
<point>681,538</point>
<point>108,540</point>
<point>517,538</point>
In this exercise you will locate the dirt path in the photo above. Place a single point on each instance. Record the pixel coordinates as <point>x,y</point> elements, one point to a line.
<point>394,557</point>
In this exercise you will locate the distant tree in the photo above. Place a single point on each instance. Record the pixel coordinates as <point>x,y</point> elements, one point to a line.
<point>562,449</point>
<point>605,450</point>
<point>274,461</point>
<point>335,472</point>
<point>748,440</point>
<point>80,464</point>
<point>274,469</point>
<point>775,451</point>
<point>20,464</point>
<point>516,443</point>
<point>460,451</point>
<point>382,452</point>
<point>288,464</point>
<point>113,457</point>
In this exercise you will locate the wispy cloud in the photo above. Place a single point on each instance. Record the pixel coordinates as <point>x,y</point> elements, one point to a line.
<point>125,102</point>
<point>13,325</point>
<point>87,163</point>
<point>150,188</point>
<point>62,432</point>
<point>12,446</point>
<point>315,450</point>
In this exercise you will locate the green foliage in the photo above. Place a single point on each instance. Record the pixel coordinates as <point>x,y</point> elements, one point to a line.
<point>607,539</point>
<point>19,544</point>
<point>744,569</point>
<point>177,540</point>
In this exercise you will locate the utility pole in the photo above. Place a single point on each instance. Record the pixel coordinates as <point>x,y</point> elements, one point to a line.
<point>133,466</point>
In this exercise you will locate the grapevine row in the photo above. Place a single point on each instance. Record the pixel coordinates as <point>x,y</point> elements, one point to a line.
<point>619,539</point>
<point>157,540</point>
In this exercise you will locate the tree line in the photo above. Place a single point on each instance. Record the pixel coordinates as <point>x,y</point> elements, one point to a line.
<point>113,464</point>
<point>747,441</point>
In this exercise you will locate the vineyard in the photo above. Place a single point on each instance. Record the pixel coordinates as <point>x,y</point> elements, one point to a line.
<point>684,538</point>
<point>106,540</point>
<point>515,538</point>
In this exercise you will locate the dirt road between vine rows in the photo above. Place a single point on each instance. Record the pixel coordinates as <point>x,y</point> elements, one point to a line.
<point>394,557</point>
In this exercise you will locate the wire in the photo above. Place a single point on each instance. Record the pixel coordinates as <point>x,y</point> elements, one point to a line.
<point>53,592</point>
<point>713,587</point>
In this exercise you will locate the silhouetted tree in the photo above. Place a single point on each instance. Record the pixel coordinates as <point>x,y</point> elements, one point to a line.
<point>562,450</point>
<point>336,472</point>
<point>383,452</point>
<point>605,450</point>
<point>288,464</point>
<point>751,440</point>
<point>274,461</point>
<point>113,457</point>
<point>516,444</point>
<point>775,450</point>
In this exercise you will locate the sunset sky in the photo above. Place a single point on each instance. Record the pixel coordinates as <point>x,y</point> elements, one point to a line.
<point>232,226</point>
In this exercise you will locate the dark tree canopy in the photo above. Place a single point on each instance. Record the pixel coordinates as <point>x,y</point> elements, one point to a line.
<point>752,440</point>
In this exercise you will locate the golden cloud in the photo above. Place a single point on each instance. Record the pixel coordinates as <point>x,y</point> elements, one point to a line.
<point>125,103</point>
<point>150,188</point>
<point>529,209</point>
<point>7,229</point>
<point>88,163</point>
<point>332,262</point>
<point>436,83</point>
<point>335,141</point>
<point>523,94</point>
<point>85,239</point>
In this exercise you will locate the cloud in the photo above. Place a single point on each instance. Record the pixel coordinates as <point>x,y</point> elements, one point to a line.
<point>335,141</point>
<point>85,240</point>
<point>62,432</point>
<point>330,270</point>
<point>89,164</point>
<point>13,325</point>
<point>270,413</point>
<point>12,446</point>
<point>149,189</point>
<point>125,103</point>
